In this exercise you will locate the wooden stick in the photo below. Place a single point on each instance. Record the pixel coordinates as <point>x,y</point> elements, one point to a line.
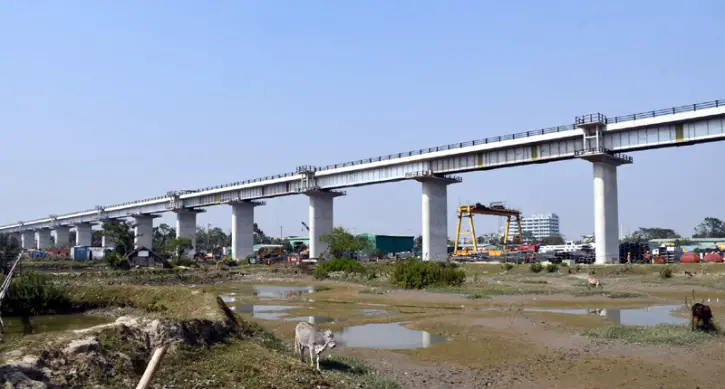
<point>151,368</point>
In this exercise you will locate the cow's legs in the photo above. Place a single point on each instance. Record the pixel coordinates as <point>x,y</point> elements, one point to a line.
<point>318,362</point>
<point>312,356</point>
<point>301,350</point>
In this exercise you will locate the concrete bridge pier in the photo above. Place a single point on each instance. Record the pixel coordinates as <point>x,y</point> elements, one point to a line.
<point>27,240</point>
<point>84,234</point>
<point>435,217</point>
<point>320,219</point>
<point>108,242</point>
<point>143,230</point>
<point>186,226</point>
<point>243,228</point>
<point>62,236</point>
<point>44,240</point>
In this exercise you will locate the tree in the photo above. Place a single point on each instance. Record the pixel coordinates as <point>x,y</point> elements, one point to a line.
<point>163,235</point>
<point>418,242</point>
<point>97,238</point>
<point>343,244</point>
<point>9,250</point>
<point>711,227</point>
<point>552,240</point>
<point>179,245</point>
<point>649,233</point>
<point>122,234</point>
<point>208,239</point>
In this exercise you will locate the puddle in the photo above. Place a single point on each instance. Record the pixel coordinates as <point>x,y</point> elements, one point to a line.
<point>267,312</point>
<point>650,316</point>
<point>375,304</point>
<point>51,323</point>
<point>314,319</point>
<point>388,336</point>
<point>279,291</point>
<point>376,312</point>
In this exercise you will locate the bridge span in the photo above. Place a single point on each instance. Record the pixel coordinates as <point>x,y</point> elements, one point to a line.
<point>596,138</point>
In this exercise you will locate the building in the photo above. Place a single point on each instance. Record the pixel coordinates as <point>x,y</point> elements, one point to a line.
<point>390,244</point>
<point>540,225</point>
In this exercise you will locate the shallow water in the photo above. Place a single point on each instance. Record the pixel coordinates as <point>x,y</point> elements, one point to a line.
<point>280,291</point>
<point>650,316</point>
<point>314,319</point>
<point>267,312</point>
<point>389,336</point>
<point>51,323</point>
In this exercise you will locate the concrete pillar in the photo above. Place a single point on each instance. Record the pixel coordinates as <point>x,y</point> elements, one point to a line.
<point>320,220</point>
<point>435,218</point>
<point>606,213</point>
<point>108,242</point>
<point>28,240</point>
<point>186,226</point>
<point>144,231</point>
<point>62,236</point>
<point>84,234</point>
<point>44,240</point>
<point>243,228</point>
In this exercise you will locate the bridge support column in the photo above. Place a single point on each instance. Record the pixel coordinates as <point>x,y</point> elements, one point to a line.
<point>108,242</point>
<point>84,234</point>
<point>186,227</point>
<point>435,217</point>
<point>243,228</point>
<point>43,238</point>
<point>144,231</point>
<point>320,219</point>
<point>62,236</point>
<point>27,240</point>
<point>606,213</point>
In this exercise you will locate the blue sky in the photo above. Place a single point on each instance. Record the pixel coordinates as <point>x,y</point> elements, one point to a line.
<point>103,102</point>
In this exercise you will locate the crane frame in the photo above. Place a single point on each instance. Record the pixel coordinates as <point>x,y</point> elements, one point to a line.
<point>478,209</point>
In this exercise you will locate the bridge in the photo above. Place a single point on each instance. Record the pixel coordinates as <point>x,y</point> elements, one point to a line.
<point>596,138</point>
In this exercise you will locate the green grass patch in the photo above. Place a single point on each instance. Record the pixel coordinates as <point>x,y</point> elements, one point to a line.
<point>667,334</point>
<point>415,274</point>
<point>344,265</point>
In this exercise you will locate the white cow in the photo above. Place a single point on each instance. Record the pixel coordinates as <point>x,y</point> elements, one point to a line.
<point>313,338</point>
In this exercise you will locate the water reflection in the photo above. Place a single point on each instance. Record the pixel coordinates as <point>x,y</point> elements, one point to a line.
<point>389,336</point>
<point>314,319</point>
<point>14,326</point>
<point>278,291</point>
<point>650,316</point>
<point>267,312</point>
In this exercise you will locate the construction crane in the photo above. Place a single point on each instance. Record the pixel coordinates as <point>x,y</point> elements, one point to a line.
<point>305,225</point>
<point>493,209</point>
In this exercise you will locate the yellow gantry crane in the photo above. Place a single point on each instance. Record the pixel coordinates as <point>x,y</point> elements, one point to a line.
<point>493,209</point>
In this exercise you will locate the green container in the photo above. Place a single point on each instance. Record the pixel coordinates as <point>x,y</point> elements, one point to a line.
<point>390,244</point>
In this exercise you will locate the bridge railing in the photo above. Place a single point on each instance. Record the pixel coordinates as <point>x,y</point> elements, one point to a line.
<point>520,135</point>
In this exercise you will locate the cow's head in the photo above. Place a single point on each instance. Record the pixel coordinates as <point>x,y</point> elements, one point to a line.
<point>329,338</point>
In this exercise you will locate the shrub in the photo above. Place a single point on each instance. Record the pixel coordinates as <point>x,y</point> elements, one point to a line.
<point>507,266</point>
<point>551,268</point>
<point>117,261</point>
<point>666,272</point>
<point>228,261</point>
<point>535,267</point>
<point>32,294</point>
<point>414,274</point>
<point>345,265</point>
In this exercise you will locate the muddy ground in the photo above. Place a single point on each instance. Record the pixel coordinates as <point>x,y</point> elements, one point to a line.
<point>513,348</point>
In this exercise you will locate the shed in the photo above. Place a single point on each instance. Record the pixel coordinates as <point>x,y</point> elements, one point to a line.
<point>390,244</point>
<point>144,257</point>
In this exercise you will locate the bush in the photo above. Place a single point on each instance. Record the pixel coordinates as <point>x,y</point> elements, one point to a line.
<point>666,272</point>
<point>338,264</point>
<point>535,267</point>
<point>117,261</point>
<point>551,268</point>
<point>414,274</point>
<point>228,261</point>
<point>32,294</point>
<point>507,266</point>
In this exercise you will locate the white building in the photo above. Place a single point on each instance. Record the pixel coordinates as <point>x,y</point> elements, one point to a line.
<point>540,225</point>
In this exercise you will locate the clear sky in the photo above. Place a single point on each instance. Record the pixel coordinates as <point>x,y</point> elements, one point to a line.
<point>103,102</point>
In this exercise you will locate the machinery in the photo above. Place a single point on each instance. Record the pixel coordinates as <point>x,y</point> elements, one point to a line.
<point>493,209</point>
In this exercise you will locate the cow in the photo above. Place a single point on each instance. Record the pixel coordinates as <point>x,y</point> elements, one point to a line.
<point>688,274</point>
<point>594,282</point>
<point>314,339</point>
<point>702,314</point>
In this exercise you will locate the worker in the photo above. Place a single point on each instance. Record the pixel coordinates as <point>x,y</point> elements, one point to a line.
<point>646,257</point>
<point>629,259</point>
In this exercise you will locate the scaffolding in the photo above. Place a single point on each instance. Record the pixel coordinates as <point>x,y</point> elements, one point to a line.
<point>493,209</point>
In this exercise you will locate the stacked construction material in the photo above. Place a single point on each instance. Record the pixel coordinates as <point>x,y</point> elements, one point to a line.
<point>635,250</point>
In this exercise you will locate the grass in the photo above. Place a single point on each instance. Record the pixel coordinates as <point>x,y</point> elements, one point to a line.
<point>667,334</point>
<point>376,291</point>
<point>611,295</point>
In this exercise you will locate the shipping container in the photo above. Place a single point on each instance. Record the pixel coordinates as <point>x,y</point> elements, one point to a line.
<point>80,253</point>
<point>390,244</point>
